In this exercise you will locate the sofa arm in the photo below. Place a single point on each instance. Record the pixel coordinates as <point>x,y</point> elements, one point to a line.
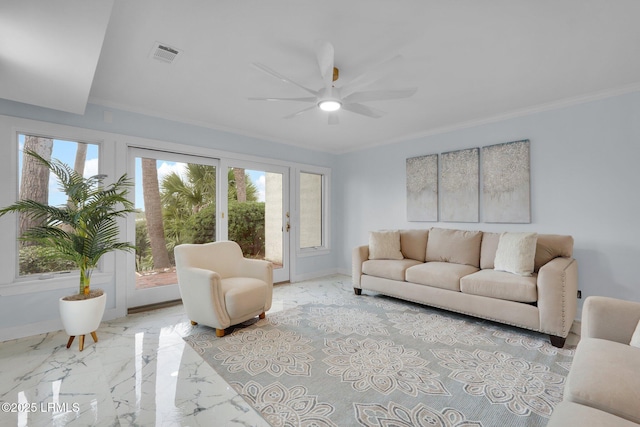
<point>558,295</point>
<point>609,318</point>
<point>359,255</point>
<point>202,296</point>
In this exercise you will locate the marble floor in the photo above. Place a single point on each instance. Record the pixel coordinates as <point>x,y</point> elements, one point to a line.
<point>140,373</point>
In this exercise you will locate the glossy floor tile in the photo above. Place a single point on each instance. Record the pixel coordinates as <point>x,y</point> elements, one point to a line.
<point>140,373</point>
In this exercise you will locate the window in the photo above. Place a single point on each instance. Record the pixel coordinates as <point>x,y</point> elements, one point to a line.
<point>36,183</point>
<point>312,210</point>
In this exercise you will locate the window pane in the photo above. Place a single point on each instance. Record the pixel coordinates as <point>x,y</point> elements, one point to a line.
<point>36,183</point>
<point>310,210</point>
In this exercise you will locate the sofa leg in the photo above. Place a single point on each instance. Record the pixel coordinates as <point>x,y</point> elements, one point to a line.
<point>357,291</point>
<point>219,332</point>
<point>557,341</point>
<point>262,315</point>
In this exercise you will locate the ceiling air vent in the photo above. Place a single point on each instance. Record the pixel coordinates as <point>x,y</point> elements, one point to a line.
<point>164,53</point>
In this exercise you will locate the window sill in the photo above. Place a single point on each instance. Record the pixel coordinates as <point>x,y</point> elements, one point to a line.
<point>52,283</point>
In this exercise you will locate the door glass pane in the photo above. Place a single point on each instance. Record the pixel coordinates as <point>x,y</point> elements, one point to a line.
<point>310,210</point>
<point>177,204</point>
<point>255,213</point>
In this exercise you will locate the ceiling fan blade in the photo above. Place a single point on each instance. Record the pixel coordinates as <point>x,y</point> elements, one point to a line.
<point>333,118</point>
<point>370,76</point>
<point>307,99</point>
<point>297,113</point>
<point>325,56</point>
<point>364,110</point>
<point>279,76</point>
<point>379,95</point>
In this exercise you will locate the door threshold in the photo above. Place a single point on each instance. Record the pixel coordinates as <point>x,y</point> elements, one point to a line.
<point>149,307</point>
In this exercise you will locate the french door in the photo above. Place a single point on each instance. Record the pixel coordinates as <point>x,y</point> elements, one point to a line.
<point>191,199</point>
<point>259,190</point>
<point>177,197</point>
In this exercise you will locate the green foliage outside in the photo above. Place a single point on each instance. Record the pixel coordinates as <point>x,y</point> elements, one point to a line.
<point>189,214</point>
<point>41,259</point>
<point>246,227</point>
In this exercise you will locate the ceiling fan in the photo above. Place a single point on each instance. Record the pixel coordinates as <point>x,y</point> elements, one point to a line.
<point>348,97</point>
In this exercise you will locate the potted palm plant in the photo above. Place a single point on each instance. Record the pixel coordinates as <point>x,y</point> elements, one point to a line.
<point>81,232</point>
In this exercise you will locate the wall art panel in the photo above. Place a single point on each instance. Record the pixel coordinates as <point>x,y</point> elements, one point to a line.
<point>459,186</point>
<point>505,183</point>
<point>422,188</point>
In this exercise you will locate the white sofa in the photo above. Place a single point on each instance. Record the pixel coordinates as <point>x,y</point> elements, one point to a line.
<point>454,270</point>
<point>603,386</point>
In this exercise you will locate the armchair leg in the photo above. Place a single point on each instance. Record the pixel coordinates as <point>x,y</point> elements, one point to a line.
<point>193,323</point>
<point>219,332</point>
<point>262,315</point>
<point>357,291</point>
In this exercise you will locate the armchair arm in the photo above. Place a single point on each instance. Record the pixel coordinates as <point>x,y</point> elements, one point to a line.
<point>359,255</point>
<point>558,295</point>
<point>202,297</point>
<point>259,269</point>
<point>609,318</point>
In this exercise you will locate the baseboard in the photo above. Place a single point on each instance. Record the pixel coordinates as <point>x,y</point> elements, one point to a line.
<point>315,275</point>
<point>576,328</point>
<point>43,327</point>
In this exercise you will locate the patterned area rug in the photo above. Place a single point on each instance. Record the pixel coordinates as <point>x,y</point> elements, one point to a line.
<point>378,361</point>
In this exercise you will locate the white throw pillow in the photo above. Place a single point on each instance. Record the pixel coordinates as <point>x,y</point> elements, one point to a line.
<point>635,339</point>
<point>385,245</point>
<point>516,253</point>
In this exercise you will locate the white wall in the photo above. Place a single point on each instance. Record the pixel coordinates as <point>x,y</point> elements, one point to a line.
<point>585,181</point>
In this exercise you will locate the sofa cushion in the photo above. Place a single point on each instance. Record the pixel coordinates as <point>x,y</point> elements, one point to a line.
<point>571,414</point>
<point>550,246</point>
<point>500,285</point>
<point>413,244</point>
<point>443,275</point>
<point>488,249</point>
<point>393,269</point>
<point>455,246</point>
<point>384,245</point>
<point>604,375</point>
<point>516,253</point>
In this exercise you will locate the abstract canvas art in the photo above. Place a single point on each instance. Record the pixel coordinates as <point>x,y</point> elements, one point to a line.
<point>422,188</point>
<point>505,183</point>
<point>459,186</point>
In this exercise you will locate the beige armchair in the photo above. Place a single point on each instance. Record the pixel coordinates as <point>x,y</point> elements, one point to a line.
<point>603,385</point>
<point>219,287</point>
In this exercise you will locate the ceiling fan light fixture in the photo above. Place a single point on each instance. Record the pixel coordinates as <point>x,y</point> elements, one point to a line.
<point>329,105</point>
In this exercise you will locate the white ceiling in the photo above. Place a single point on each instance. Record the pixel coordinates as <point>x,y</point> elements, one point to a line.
<point>472,61</point>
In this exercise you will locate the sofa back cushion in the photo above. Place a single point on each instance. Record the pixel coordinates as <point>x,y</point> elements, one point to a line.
<point>384,245</point>
<point>548,247</point>
<point>413,244</point>
<point>457,246</point>
<point>488,249</point>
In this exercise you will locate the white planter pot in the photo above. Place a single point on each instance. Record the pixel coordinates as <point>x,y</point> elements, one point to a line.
<point>82,317</point>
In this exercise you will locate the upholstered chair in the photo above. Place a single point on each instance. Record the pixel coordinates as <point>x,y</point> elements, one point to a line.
<point>219,287</point>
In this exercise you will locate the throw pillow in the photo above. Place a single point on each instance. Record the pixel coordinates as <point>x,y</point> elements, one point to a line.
<point>516,253</point>
<point>635,339</point>
<point>384,245</point>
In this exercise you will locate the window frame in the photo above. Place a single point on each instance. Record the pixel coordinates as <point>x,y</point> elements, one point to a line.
<point>325,248</point>
<point>11,283</point>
